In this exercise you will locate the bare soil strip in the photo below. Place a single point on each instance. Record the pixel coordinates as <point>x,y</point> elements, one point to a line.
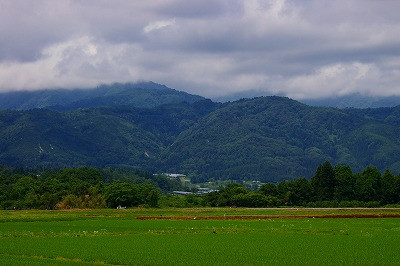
<point>266,217</point>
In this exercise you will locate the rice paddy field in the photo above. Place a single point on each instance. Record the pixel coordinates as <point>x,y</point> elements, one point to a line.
<point>217,236</point>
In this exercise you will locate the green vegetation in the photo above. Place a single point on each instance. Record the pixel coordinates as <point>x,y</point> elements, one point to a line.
<point>86,187</point>
<point>117,237</point>
<point>269,139</point>
<point>329,187</point>
<point>273,139</point>
<point>80,188</point>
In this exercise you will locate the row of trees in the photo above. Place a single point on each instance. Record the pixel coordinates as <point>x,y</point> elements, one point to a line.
<point>79,188</point>
<point>329,187</point>
<point>93,188</point>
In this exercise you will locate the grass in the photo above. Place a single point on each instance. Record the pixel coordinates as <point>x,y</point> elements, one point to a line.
<point>117,237</point>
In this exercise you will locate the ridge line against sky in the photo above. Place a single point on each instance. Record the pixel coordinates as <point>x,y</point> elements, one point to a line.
<point>298,48</point>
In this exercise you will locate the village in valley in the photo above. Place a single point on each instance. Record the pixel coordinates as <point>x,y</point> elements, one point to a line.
<point>207,187</point>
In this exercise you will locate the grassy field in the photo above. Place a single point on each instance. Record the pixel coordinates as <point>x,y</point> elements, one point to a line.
<point>119,237</point>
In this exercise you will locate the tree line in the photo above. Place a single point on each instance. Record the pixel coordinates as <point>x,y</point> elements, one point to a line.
<point>83,187</point>
<point>87,187</point>
<point>329,187</point>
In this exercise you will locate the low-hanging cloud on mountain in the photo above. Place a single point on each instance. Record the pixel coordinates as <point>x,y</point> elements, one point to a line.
<point>302,49</point>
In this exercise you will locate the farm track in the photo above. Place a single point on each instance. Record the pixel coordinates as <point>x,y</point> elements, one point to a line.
<point>266,217</point>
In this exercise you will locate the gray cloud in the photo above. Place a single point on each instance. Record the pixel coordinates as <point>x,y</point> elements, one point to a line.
<point>303,49</point>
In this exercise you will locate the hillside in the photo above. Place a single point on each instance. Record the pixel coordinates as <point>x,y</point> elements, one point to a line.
<point>107,136</point>
<point>142,94</point>
<point>275,138</point>
<point>266,138</point>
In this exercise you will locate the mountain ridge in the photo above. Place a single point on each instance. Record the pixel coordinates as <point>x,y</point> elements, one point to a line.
<point>266,138</point>
<point>141,94</point>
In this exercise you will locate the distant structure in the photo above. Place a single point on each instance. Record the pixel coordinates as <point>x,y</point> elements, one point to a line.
<point>200,191</point>
<point>174,175</point>
<point>182,193</point>
<point>205,190</point>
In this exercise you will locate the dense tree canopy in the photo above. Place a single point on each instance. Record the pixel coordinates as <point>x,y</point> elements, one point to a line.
<point>83,187</point>
<point>329,187</point>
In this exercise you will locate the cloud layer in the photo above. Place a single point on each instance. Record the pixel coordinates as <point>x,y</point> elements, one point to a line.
<point>302,49</point>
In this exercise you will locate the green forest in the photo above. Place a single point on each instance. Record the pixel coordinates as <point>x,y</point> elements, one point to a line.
<point>329,187</point>
<point>100,188</point>
<point>151,127</point>
<point>83,187</point>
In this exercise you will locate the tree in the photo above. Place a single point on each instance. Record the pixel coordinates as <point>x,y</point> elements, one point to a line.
<point>224,197</point>
<point>300,191</point>
<point>389,194</point>
<point>254,199</point>
<point>150,195</point>
<point>269,189</point>
<point>345,183</point>
<point>368,185</point>
<point>323,182</point>
<point>122,194</point>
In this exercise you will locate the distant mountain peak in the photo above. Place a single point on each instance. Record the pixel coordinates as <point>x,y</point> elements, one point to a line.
<point>139,94</point>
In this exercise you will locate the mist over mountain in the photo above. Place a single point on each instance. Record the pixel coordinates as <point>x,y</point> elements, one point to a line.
<point>265,138</point>
<point>140,94</point>
<point>354,100</point>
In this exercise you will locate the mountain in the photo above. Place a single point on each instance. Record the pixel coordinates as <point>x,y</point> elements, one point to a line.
<point>108,136</point>
<point>355,100</point>
<point>265,138</point>
<point>142,94</point>
<point>275,138</point>
<point>248,94</point>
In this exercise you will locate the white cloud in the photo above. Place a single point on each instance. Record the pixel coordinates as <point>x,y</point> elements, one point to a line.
<point>157,25</point>
<point>303,49</point>
<point>343,79</point>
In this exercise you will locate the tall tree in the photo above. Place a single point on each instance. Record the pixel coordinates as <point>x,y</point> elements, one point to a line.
<point>345,183</point>
<point>368,185</point>
<point>389,188</point>
<point>323,182</point>
<point>300,191</point>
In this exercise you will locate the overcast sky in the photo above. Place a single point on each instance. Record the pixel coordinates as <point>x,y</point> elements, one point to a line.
<point>298,48</point>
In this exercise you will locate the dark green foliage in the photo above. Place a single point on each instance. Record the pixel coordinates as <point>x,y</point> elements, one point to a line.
<point>323,182</point>
<point>254,199</point>
<point>122,194</point>
<point>78,188</point>
<point>345,183</point>
<point>368,185</point>
<point>268,139</point>
<point>300,192</point>
<point>327,189</point>
<point>269,189</point>
<point>103,137</point>
<point>188,201</point>
<point>225,197</point>
<point>136,176</point>
<point>390,188</point>
<point>275,138</point>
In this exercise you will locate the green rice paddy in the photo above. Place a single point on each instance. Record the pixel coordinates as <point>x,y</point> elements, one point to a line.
<point>118,237</point>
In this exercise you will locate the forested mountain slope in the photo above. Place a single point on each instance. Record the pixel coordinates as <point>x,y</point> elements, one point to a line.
<point>266,138</point>
<point>275,138</point>
<point>103,136</point>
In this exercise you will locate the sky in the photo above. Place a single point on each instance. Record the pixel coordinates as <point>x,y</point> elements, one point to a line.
<point>302,49</point>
